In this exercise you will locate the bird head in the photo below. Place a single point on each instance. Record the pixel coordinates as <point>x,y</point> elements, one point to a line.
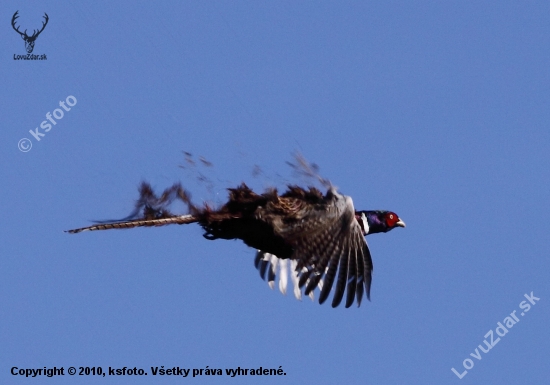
<point>378,221</point>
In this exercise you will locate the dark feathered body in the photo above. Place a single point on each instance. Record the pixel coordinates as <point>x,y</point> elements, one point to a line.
<point>258,219</point>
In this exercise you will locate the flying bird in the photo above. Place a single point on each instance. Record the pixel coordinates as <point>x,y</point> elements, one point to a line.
<point>318,239</point>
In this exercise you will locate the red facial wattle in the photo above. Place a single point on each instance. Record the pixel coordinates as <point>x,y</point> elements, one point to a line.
<point>391,219</point>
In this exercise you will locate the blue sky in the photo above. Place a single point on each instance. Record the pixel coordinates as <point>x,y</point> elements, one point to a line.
<point>435,110</point>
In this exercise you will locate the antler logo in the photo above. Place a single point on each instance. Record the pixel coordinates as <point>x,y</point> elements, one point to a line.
<point>29,40</point>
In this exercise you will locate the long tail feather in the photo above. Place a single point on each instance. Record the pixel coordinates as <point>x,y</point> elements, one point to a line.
<point>177,219</point>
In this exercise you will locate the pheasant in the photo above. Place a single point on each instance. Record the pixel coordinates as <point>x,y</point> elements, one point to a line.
<point>319,238</point>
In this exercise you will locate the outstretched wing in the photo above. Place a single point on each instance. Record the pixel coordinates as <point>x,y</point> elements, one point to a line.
<point>329,249</point>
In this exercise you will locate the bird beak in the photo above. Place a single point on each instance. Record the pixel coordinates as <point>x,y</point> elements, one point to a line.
<point>400,223</point>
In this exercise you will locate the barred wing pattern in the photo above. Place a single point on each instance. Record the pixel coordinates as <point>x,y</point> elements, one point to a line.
<point>325,251</point>
<point>274,267</point>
